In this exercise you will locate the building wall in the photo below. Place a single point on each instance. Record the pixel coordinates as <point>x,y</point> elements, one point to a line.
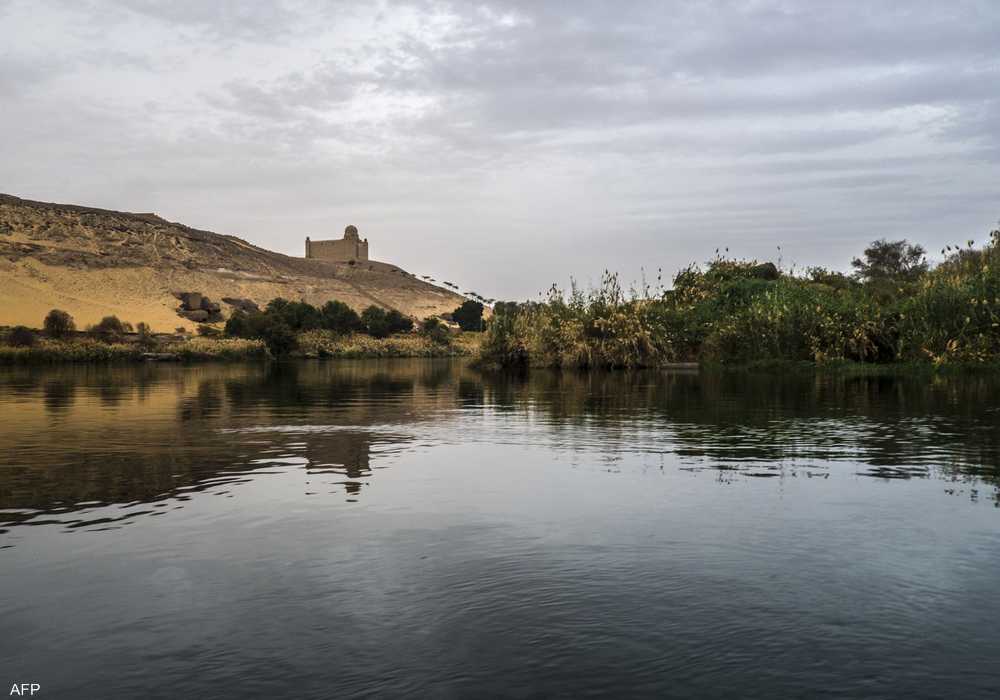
<point>337,250</point>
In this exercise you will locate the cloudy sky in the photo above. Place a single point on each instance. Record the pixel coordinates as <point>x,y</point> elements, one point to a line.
<point>510,145</point>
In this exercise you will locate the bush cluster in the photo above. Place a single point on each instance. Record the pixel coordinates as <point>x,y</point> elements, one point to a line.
<point>279,323</point>
<point>894,308</point>
<point>469,316</point>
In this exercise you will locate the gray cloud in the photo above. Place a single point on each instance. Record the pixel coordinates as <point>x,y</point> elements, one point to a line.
<point>506,145</point>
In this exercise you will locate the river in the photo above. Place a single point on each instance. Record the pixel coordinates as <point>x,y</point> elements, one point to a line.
<point>414,527</point>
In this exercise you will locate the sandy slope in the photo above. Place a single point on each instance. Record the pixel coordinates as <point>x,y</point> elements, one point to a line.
<point>94,262</point>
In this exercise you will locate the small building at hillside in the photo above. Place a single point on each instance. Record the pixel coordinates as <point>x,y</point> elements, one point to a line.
<point>350,247</point>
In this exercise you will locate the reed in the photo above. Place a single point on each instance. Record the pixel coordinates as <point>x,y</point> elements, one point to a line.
<point>322,343</point>
<point>744,312</point>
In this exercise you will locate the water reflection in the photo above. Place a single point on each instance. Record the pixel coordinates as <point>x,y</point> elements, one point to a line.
<point>78,440</point>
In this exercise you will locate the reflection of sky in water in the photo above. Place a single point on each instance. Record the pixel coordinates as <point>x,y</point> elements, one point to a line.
<point>81,441</point>
<point>415,528</point>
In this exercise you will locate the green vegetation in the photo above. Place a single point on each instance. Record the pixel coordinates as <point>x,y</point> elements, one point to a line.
<point>279,324</point>
<point>110,329</point>
<point>58,324</point>
<point>283,329</point>
<point>322,343</point>
<point>87,349</point>
<point>435,330</point>
<point>225,349</point>
<point>469,316</point>
<point>340,318</point>
<point>894,309</point>
<point>380,323</point>
<point>50,351</point>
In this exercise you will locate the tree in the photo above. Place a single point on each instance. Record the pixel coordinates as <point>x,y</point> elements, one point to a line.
<point>262,325</point>
<point>58,324</point>
<point>896,261</point>
<point>376,321</point>
<point>380,323</point>
<point>21,337</point>
<point>238,325</point>
<point>340,318</point>
<point>278,337</point>
<point>469,316</point>
<point>398,323</point>
<point>297,315</point>
<point>110,328</point>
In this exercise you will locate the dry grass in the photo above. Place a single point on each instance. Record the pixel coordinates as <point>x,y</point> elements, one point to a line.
<point>358,345</point>
<point>48,351</point>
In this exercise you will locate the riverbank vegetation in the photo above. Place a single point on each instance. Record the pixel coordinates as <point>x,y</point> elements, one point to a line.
<point>321,343</point>
<point>283,329</point>
<point>894,308</point>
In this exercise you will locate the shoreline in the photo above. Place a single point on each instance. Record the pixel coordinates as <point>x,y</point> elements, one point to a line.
<point>321,345</point>
<point>81,350</point>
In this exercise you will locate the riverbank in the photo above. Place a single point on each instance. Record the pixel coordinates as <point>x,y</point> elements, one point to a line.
<point>312,344</point>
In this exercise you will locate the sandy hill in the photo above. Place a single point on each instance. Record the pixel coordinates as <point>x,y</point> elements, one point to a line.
<point>95,262</point>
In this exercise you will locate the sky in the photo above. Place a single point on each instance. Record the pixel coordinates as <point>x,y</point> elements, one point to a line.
<point>507,146</point>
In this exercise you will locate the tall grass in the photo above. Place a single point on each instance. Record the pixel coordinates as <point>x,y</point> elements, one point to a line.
<point>739,311</point>
<point>50,351</point>
<point>604,327</point>
<point>322,343</point>
<point>226,349</point>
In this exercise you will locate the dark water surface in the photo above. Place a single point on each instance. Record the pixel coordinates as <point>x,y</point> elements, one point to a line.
<point>413,528</point>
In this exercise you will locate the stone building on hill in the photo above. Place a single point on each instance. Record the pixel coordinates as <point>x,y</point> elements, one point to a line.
<point>350,247</point>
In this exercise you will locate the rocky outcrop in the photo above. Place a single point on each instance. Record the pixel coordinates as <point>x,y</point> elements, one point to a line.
<point>198,308</point>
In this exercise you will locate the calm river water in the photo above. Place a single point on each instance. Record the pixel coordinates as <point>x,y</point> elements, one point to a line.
<point>415,528</point>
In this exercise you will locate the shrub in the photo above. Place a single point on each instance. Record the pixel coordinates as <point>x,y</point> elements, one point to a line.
<point>434,329</point>
<point>58,323</point>
<point>380,323</point>
<point>278,337</point>
<point>268,326</point>
<point>503,308</point>
<point>469,316</point>
<point>339,317</point>
<point>376,321</point>
<point>238,325</point>
<point>110,329</point>
<point>21,337</point>
<point>398,323</point>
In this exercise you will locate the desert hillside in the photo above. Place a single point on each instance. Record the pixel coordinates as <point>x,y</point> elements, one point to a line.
<point>95,262</point>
